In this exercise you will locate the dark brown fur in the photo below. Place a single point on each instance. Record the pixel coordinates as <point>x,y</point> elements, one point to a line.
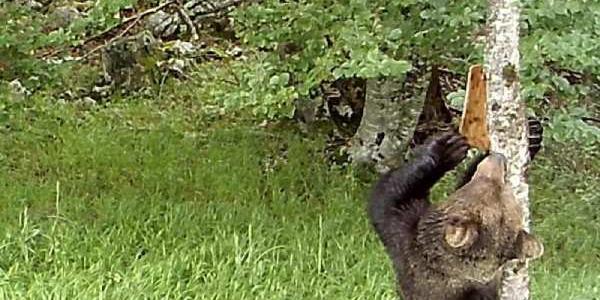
<point>454,250</point>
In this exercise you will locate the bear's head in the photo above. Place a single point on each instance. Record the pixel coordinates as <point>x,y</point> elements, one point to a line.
<point>479,228</point>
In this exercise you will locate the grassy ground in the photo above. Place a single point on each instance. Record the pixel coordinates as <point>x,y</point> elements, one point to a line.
<point>136,203</point>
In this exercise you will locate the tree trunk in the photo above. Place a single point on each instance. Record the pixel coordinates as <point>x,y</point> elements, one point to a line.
<point>507,121</point>
<point>387,125</point>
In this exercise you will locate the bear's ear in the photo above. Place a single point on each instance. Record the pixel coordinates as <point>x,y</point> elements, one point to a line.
<point>528,246</point>
<point>459,232</point>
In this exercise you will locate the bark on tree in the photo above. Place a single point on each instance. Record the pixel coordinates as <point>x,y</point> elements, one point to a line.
<point>387,125</point>
<point>507,121</point>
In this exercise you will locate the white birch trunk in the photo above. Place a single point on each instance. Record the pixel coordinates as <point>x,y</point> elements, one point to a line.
<point>387,125</point>
<point>507,121</point>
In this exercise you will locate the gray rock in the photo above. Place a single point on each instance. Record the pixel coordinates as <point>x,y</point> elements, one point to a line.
<point>62,17</point>
<point>32,4</point>
<point>163,25</point>
<point>88,101</point>
<point>182,48</point>
<point>129,61</point>
<point>18,88</point>
<point>235,52</point>
<point>199,7</point>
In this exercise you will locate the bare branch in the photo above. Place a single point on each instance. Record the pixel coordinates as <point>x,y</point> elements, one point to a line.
<point>132,21</point>
<point>186,18</point>
<point>591,119</point>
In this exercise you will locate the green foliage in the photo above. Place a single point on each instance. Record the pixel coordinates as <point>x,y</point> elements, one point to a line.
<point>293,46</point>
<point>316,41</point>
<point>264,88</point>
<point>26,36</point>
<point>569,128</point>
<point>559,36</point>
<point>99,17</point>
<point>20,37</point>
<point>322,40</point>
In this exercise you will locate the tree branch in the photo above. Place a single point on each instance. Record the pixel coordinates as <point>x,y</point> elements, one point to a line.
<point>591,119</point>
<point>133,20</point>
<point>186,18</point>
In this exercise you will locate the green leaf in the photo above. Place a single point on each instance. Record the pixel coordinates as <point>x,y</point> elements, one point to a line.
<point>397,67</point>
<point>274,81</point>
<point>395,34</point>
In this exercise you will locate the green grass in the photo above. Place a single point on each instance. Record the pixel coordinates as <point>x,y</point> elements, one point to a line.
<point>132,202</point>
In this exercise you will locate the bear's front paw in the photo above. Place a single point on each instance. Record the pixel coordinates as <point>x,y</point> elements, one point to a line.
<point>448,150</point>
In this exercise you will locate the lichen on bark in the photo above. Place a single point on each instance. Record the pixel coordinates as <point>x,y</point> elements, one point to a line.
<point>387,125</point>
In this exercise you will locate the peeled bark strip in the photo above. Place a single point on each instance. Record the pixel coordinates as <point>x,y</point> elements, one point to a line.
<point>473,124</point>
<point>387,124</point>
<point>507,121</point>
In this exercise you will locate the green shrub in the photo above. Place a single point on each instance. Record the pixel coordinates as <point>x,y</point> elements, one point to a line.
<point>308,42</point>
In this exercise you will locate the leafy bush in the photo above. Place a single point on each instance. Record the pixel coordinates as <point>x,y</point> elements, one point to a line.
<point>313,41</point>
<point>26,37</point>
<point>559,36</point>
<point>569,128</point>
<point>20,37</point>
<point>294,46</point>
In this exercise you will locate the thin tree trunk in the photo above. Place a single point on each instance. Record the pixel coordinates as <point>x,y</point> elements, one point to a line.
<point>507,121</point>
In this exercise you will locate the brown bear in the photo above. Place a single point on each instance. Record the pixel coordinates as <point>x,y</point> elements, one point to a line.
<point>453,250</point>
